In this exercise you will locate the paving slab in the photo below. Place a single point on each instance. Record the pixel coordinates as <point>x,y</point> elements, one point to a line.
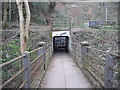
<point>63,72</point>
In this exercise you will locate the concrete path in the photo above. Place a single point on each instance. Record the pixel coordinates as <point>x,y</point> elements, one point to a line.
<point>64,73</point>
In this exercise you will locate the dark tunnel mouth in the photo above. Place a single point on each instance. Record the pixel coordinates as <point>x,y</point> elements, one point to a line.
<point>60,43</point>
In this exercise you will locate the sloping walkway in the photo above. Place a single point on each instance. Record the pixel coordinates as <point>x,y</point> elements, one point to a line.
<point>64,73</point>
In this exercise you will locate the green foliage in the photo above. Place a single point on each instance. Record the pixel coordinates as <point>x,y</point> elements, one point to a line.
<point>10,50</point>
<point>41,5</point>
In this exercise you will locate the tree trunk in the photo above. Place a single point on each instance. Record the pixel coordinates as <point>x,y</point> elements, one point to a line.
<point>23,28</point>
<point>27,19</point>
<point>9,12</point>
<point>21,18</point>
<point>5,15</point>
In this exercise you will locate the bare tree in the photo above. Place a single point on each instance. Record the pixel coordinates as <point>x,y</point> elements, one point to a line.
<point>23,28</point>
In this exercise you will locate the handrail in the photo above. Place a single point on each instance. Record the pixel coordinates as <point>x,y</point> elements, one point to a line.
<point>100,60</point>
<point>35,50</point>
<point>20,57</point>
<point>33,71</point>
<point>113,54</point>
<point>98,79</point>
<point>11,61</point>
<point>100,71</point>
<point>23,84</point>
<point>36,59</point>
<point>40,48</point>
<point>95,49</point>
<point>12,78</point>
<point>103,68</point>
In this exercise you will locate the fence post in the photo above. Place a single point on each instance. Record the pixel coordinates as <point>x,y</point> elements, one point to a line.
<point>49,51</point>
<point>42,44</point>
<point>84,50</point>
<point>44,57</point>
<point>108,71</point>
<point>26,64</point>
<point>65,23</point>
<point>40,51</point>
<point>70,24</point>
<point>52,23</point>
<point>75,52</point>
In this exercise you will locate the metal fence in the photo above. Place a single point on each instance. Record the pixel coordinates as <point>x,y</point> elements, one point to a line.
<point>58,24</point>
<point>65,24</point>
<point>27,70</point>
<point>100,67</point>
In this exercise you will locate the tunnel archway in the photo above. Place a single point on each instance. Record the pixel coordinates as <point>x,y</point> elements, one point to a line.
<point>60,43</point>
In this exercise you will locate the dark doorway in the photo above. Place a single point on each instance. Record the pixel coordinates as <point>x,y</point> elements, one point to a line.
<point>60,43</point>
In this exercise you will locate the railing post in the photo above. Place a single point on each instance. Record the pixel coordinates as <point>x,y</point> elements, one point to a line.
<point>44,57</point>
<point>84,50</point>
<point>70,24</point>
<point>51,24</point>
<point>26,64</point>
<point>42,44</point>
<point>40,51</point>
<point>65,23</point>
<point>108,72</point>
<point>49,52</point>
<point>75,52</point>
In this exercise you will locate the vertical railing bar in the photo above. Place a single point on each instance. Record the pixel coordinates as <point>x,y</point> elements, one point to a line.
<point>84,50</point>
<point>26,64</point>
<point>108,71</point>
<point>44,58</point>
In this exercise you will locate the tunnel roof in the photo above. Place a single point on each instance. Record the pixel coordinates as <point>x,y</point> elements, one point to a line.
<point>61,33</point>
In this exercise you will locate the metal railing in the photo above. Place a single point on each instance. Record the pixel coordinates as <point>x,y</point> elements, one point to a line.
<point>66,24</point>
<point>100,67</point>
<point>59,24</point>
<point>27,70</point>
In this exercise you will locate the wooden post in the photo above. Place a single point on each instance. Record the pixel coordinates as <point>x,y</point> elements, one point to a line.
<point>108,72</point>
<point>50,51</point>
<point>75,52</point>
<point>42,44</point>
<point>73,24</point>
<point>44,57</point>
<point>40,51</point>
<point>65,23</point>
<point>70,24</point>
<point>84,50</point>
<point>51,24</point>
<point>26,64</point>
